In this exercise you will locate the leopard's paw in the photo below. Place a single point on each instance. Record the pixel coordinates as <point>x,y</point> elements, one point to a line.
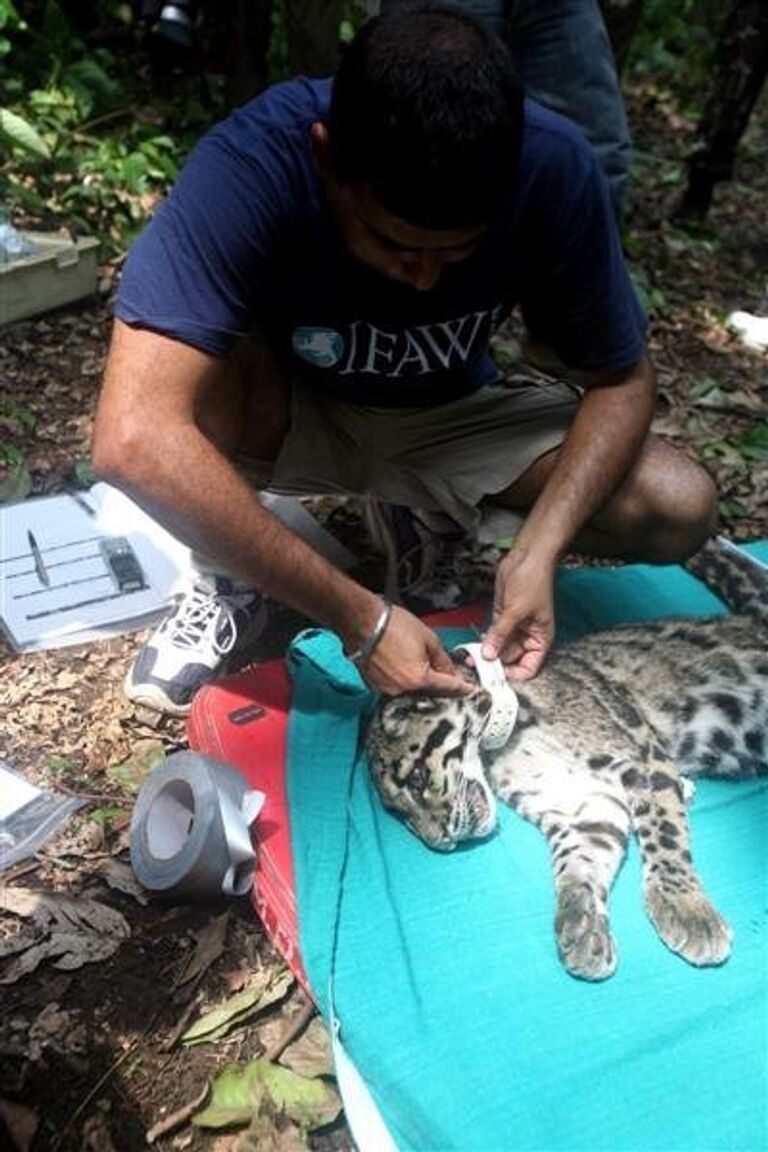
<point>584,940</point>
<point>689,925</point>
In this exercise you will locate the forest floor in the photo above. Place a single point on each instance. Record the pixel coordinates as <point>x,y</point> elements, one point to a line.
<point>90,1057</point>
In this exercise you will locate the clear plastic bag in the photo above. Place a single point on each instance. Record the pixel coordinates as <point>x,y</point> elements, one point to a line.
<point>14,245</point>
<point>28,816</point>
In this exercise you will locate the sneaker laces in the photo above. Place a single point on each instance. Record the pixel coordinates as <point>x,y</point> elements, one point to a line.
<point>206,617</point>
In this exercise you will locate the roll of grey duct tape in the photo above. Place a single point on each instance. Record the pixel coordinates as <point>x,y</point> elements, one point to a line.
<point>190,830</point>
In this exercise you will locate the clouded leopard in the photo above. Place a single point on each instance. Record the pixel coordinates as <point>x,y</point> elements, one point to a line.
<point>603,735</point>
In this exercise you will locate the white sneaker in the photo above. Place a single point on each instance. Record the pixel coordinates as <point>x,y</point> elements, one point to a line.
<point>209,625</point>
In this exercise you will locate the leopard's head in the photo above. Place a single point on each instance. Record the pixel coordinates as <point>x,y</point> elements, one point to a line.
<point>424,755</point>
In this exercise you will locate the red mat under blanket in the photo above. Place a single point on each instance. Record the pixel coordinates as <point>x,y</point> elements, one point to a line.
<point>243,720</point>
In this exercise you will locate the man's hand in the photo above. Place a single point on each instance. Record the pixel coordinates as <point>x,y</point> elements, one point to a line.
<point>523,624</point>
<point>409,658</point>
<point>599,451</point>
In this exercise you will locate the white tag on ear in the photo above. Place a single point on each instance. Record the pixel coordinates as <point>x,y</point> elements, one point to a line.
<point>491,675</point>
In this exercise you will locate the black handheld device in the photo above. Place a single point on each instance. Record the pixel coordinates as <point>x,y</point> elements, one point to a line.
<point>122,563</point>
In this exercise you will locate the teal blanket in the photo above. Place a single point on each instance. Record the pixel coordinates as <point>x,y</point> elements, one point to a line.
<point>444,975</point>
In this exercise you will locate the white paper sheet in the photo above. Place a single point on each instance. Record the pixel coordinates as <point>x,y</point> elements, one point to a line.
<point>81,601</point>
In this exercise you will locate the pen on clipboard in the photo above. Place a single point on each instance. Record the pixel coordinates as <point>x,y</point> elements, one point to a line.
<point>37,556</point>
<point>83,503</point>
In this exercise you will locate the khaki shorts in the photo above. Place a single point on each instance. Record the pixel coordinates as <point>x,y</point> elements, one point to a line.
<point>451,459</point>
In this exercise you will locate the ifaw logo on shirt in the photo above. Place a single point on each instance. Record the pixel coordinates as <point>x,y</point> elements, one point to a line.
<point>364,348</point>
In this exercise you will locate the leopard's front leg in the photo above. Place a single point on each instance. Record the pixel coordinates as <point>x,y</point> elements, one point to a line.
<point>585,818</point>
<point>674,897</point>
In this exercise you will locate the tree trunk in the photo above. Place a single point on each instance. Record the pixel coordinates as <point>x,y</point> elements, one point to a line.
<point>741,67</point>
<point>249,26</point>
<point>313,36</point>
<point>621,21</point>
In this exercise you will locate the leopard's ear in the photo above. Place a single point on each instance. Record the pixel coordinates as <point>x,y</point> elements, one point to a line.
<point>426,705</point>
<point>464,664</point>
<point>484,701</point>
<point>391,716</point>
<point>396,711</point>
<point>407,702</point>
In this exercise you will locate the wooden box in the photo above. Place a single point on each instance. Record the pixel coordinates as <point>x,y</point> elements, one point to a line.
<point>58,272</point>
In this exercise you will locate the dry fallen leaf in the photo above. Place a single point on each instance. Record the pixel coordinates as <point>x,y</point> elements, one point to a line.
<point>120,876</point>
<point>68,931</point>
<point>225,1143</point>
<point>310,1055</point>
<point>238,1009</point>
<point>209,945</point>
<point>263,1135</point>
<point>58,1030</point>
<point>237,979</point>
<point>146,755</point>
<point>96,1135</point>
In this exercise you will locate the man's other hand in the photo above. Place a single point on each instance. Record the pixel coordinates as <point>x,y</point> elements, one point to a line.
<point>523,624</point>
<point>410,658</point>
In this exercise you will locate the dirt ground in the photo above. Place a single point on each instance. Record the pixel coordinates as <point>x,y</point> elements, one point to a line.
<point>90,1057</point>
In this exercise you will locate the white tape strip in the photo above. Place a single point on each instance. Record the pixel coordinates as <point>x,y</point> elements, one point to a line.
<point>504,711</point>
<point>190,830</point>
<point>729,546</point>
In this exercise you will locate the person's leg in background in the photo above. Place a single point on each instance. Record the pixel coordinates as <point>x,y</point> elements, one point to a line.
<point>311,32</point>
<point>567,63</point>
<point>492,11</point>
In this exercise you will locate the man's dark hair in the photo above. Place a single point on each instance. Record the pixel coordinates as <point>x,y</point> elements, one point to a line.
<point>427,109</point>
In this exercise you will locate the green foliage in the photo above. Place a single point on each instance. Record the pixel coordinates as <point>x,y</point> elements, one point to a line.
<point>240,1092</point>
<point>12,413</point>
<point>18,133</point>
<point>353,17</point>
<point>277,57</point>
<point>82,473</point>
<point>107,815</point>
<point>15,480</point>
<point>651,297</point>
<point>753,444</point>
<point>739,452</point>
<point>117,183</point>
<point>87,141</point>
<point>676,42</point>
<point>731,510</point>
<point>62,159</point>
<point>65,770</point>
<point>130,774</point>
<point>9,19</point>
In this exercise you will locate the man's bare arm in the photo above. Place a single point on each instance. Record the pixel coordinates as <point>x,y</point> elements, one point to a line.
<point>601,447</point>
<point>149,442</point>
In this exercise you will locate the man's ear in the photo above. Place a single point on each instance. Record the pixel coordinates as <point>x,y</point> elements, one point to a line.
<point>321,149</point>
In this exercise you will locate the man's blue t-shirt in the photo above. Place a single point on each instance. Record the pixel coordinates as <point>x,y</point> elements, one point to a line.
<point>245,241</point>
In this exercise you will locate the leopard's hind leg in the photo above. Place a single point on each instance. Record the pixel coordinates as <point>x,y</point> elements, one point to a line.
<point>674,897</point>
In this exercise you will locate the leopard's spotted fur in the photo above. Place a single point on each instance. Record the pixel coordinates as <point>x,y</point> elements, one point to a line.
<point>602,738</point>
